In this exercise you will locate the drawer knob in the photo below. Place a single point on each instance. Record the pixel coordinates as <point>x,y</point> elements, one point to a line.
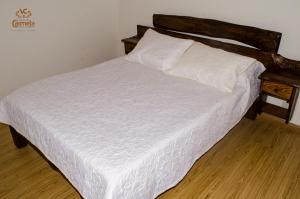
<point>276,90</point>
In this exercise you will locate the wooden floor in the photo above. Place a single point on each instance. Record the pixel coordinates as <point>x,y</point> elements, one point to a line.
<point>257,159</point>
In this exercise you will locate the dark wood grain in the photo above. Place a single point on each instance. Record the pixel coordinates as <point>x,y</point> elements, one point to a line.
<point>285,64</point>
<point>282,76</point>
<point>264,40</point>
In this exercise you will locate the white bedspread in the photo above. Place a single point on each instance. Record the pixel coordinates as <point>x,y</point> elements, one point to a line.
<point>121,130</point>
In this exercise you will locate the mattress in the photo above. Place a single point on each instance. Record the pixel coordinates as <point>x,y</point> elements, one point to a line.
<point>121,130</point>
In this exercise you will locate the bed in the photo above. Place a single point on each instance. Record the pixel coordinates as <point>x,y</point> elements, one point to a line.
<point>123,130</point>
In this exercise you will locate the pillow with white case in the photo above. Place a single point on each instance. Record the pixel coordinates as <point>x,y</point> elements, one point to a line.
<point>211,66</point>
<point>159,51</point>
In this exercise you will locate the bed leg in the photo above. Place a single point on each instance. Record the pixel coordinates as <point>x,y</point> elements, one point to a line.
<point>253,110</point>
<point>19,140</point>
<point>52,166</point>
<point>251,115</point>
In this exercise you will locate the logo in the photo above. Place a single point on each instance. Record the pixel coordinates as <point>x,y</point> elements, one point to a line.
<point>23,20</point>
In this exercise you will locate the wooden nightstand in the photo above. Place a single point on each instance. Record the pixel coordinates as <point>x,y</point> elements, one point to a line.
<point>283,85</point>
<point>130,43</point>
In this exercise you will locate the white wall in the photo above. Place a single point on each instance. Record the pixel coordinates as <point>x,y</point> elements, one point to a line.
<point>278,15</point>
<point>69,34</point>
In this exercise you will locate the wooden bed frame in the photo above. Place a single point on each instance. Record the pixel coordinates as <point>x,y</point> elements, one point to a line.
<point>265,44</point>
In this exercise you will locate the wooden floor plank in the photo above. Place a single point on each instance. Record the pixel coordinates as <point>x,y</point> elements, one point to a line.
<point>2,125</point>
<point>257,159</point>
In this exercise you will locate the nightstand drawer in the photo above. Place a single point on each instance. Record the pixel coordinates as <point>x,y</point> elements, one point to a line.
<point>277,89</point>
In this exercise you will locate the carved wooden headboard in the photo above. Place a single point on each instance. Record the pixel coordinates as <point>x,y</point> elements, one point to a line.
<point>264,42</point>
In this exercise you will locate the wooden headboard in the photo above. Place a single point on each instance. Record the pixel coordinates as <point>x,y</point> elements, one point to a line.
<point>262,39</point>
<point>264,42</point>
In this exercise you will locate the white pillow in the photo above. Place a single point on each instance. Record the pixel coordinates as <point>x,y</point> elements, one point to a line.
<point>211,66</point>
<point>159,51</point>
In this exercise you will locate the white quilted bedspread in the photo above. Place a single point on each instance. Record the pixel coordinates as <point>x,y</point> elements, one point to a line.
<point>121,130</point>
